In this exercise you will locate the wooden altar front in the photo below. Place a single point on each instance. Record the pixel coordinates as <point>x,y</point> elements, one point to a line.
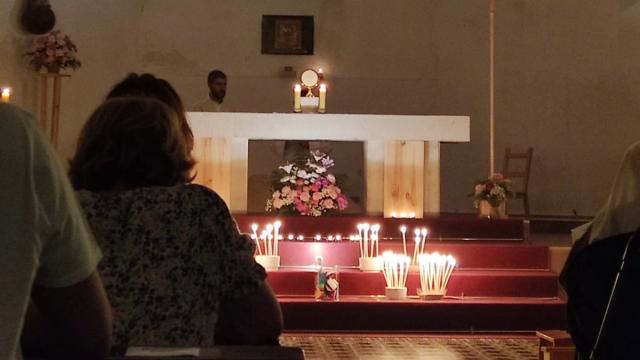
<point>402,152</point>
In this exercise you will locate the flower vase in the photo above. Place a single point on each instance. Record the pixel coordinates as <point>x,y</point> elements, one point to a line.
<point>486,210</point>
<point>53,69</point>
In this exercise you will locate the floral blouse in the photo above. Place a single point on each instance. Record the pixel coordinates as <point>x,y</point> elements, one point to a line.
<point>171,256</point>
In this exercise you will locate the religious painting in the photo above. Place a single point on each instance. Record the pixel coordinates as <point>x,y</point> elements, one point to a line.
<point>287,35</point>
<point>342,162</point>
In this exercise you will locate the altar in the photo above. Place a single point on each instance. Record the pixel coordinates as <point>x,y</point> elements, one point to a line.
<point>401,152</point>
<point>499,281</point>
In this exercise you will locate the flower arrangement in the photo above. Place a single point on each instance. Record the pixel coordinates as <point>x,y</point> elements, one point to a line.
<point>495,190</point>
<point>306,187</point>
<point>54,51</point>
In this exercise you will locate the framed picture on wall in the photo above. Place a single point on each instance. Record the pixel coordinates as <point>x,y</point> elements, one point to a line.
<point>287,35</point>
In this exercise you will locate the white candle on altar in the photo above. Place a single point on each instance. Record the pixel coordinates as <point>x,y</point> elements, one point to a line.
<point>276,227</point>
<point>360,237</point>
<point>6,95</point>
<point>318,237</point>
<point>425,233</point>
<point>403,230</point>
<point>375,229</point>
<point>270,238</point>
<point>290,237</point>
<point>254,228</point>
<point>322,107</point>
<point>366,228</point>
<point>297,91</point>
<point>300,237</point>
<point>338,237</point>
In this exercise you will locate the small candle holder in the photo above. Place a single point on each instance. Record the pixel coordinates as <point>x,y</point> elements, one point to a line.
<point>268,262</point>
<point>371,264</point>
<point>395,293</point>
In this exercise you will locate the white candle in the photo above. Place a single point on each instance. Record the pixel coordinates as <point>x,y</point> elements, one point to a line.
<point>403,230</point>
<point>6,95</point>
<point>300,237</point>
<point>297,90</point>
<point>276,227</point>
<point>366,228</point>
<point>318,237</point>
<point>322,107</point>
<point>425,233</point>
<point>270,238</point>
<point>360,237</point>
<point>338,237</point>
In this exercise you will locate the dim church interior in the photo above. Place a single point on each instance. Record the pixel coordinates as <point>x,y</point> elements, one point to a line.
<point>397,60</point>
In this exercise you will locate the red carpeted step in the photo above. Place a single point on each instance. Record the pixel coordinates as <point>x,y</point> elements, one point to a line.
<point>371,314</point>
<point>541,283</point>
<point>468,255</point>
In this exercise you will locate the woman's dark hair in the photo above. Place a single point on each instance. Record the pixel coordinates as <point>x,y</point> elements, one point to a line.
<point>147,85</point>
<point>131,142</point>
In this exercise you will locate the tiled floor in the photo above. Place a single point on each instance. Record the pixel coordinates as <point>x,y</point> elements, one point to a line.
<point>347,347</point>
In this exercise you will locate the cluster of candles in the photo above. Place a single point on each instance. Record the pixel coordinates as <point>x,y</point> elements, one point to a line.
<point>420,240</point>
<point>269,238</point>
<point>403,215</point>
<point>368,237</point>
<point>435,272</point>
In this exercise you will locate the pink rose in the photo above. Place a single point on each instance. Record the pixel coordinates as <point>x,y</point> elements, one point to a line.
<point>276,195</point>
<point>302,209</point>
<point>299,182</point>
<point>316,187</point>
<point>479,188</point>
<point>317,196</point>
<point>331,178</point>
<point>286,190</point>
<point>328,204</point>
<point>304,196</point>
<point>498,177</point>
<point>277,203</point>
<point>342,203</point>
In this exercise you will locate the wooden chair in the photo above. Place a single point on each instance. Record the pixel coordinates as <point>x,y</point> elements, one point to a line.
<point>519,175</point>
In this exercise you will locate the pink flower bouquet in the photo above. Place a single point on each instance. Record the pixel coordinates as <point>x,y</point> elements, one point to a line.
<point>496,189</point>
<point>305,187</point>
<point>54,51</point>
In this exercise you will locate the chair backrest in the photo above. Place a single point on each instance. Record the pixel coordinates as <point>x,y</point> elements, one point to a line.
<point>522,173</point>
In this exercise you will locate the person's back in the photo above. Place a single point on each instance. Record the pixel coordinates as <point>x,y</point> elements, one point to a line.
<point>592,266</point>
<point>47,253</point>
<point>173,253</point>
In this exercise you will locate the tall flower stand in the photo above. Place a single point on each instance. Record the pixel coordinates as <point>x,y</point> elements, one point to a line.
<point>487,211</point>
<point>51,124</point>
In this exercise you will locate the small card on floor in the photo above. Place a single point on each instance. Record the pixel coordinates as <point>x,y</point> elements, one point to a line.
<point>162,351</point>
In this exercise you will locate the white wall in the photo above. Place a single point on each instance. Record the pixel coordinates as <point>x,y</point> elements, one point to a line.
<point>567,73</point>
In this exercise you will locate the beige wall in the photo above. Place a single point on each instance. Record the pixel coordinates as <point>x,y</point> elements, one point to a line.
<point>567,73</point>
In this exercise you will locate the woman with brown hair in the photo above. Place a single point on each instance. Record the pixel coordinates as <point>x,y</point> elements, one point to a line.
<point>147,85</point>
<point>176,269</point>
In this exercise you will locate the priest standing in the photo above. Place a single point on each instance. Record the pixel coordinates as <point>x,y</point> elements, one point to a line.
<point>217,83</point>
